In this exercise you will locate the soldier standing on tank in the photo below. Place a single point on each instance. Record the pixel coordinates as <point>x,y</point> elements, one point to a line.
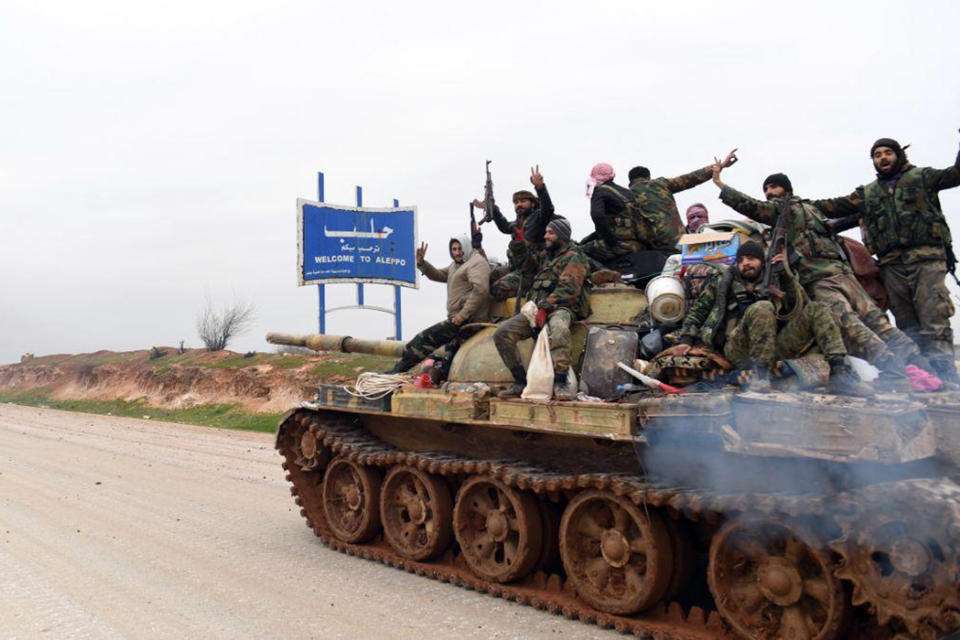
<point>734,314</point>
<point>903,225</point>
<point>558,290</point>
<point>659,219</point>
<point>526,234</point>
<point>821,265</point>
<point>468,300</point>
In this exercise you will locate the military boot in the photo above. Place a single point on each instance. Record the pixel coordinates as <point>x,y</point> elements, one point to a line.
<point>515,389</point>
<point>403,365</point>
<point>892,377</point>
<point>845,382</point>
<point>759,380</point>
<point>562,388</point>
<point>946,370</point>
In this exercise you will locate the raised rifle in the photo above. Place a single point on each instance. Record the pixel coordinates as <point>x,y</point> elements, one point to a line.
<point>488,197</point>
<point>778,240</point>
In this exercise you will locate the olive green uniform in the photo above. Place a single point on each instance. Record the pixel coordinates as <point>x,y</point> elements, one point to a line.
<point>736,316</point>
<point>903,225</point>
<point>821,265</point>
<point>558,287</point>
<point>658,218</point>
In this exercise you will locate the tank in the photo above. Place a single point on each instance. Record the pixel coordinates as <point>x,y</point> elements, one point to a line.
<point>706,514</point>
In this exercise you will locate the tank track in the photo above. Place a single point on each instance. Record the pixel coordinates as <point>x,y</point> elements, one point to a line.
<point>338,434</point>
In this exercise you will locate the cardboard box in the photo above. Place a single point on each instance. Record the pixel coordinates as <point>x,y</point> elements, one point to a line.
<point>710,247</point>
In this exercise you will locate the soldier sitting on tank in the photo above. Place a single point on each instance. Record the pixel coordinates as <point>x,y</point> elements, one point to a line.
<point>468,300</point>
<point>821,265</point>
<point>734,314</point>
<point>558,290</point>
<point>526,235</point>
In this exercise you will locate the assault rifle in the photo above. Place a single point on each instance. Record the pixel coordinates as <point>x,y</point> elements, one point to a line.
<point>488,197</point>
<point>778,240</point>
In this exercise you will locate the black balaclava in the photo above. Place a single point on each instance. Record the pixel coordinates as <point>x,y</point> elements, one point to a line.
<point>901,156</point>
<point>778,180</point>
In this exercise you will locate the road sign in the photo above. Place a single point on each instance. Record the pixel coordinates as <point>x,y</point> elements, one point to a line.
<point>356,244</point>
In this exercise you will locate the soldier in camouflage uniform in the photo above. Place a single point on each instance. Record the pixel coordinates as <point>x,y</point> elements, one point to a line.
<point>903,225</point>
<point>658,219</point>
<point>468,300</point>
<point>734,313</point>
<point>560,295</point>
<point>821,264</point>
<point>526,235</point>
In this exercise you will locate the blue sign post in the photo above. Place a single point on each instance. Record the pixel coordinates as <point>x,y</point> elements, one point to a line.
<point>359,245</point>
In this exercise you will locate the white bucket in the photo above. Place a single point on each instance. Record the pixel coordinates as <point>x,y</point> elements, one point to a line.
<point>666,299</point>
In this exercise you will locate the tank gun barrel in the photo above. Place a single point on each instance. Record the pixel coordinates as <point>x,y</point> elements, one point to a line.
<point>344,344</point>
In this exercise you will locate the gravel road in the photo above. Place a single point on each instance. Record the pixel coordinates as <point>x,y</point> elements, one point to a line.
<point>122,528</point>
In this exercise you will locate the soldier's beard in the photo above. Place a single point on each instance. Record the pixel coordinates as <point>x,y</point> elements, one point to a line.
<point>750,274</point>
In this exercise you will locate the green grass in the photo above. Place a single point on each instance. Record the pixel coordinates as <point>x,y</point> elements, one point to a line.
<point>221,416</point>
<point>350,364</point>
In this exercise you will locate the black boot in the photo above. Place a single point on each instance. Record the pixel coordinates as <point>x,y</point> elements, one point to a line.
<point>946,370</point>
<point>892,377</point>
<point>404,364</point>
<point>843,380</point>
<point>519,382</point>
<point>921,362</point>
<point>562,389</point>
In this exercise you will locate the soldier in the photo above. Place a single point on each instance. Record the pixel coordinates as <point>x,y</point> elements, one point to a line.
<point>903,225</point>
<point>660,224</point>
<point>558,290</point>
<point>525,231</point>
<point>697,217</point>
<point>733,313</point>
<point>468,300</point>
<point>611,209</point>
<point>821,264</point>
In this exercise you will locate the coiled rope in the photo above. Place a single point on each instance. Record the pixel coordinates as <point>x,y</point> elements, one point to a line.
<point>374,386</point>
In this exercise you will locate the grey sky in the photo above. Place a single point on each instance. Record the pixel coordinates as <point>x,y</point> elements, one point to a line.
<point>153,152</point>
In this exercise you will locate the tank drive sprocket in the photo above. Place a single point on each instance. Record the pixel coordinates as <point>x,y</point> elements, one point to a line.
<point>900,549</point>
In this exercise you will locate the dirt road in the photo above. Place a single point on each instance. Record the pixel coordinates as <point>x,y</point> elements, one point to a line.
<point>120,528</point>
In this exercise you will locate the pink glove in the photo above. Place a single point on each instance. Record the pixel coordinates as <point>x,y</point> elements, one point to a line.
<point>922,381</point>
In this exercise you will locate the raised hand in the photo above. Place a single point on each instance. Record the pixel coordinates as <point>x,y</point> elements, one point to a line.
<point>421,252</point>
<point>730,159</point>
<point>480,204</point>
<point>535,177</point>
<point>716,168</point>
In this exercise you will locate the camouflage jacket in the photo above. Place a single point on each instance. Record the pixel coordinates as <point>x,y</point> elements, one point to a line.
<point>901,219</point>
<point>560,280</point>
<point>818,251</point>
<point>530,233</point>
<point>659,220</point>
<point>723,302</point>
<point>612,211</point>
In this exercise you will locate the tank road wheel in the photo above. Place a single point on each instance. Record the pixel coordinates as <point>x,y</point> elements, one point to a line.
<point>310,453</point>
<point>351,497</point>
<point>617,554</point>
<point>416,511</point>
<point>774,580</point>
<point>901,551</point>
<point>498,529</point>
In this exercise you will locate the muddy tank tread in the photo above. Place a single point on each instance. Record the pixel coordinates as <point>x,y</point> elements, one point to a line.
<point>338,433</point>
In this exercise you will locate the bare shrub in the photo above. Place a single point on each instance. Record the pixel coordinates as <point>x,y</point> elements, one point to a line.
<point>217,329</point>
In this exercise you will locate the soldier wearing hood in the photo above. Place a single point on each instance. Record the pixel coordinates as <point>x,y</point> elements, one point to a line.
<point>903,225</point>
<point>468,299</point>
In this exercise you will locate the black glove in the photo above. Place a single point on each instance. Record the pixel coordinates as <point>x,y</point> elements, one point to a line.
<point>476,241</point>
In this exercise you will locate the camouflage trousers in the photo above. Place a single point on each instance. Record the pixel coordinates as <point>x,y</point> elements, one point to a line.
<point>603,253</point>
<point>755,339</point>
<point>866,330</point>
<point>517,328</point>
<point>921,304</point>
<point>426,342</point>
<point>507,286</point>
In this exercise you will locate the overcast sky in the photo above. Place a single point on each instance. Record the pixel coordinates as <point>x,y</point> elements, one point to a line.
<point>151,154</point>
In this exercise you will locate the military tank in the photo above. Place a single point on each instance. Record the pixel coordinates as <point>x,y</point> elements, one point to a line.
<point>705,514</point>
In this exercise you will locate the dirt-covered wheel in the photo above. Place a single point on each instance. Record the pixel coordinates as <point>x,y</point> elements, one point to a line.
<point>351,500</point>
<point>617,554</point>
<point>498,529</point>
<point>773,579</point>
<point>901,551</point>
<point>416,512</point>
